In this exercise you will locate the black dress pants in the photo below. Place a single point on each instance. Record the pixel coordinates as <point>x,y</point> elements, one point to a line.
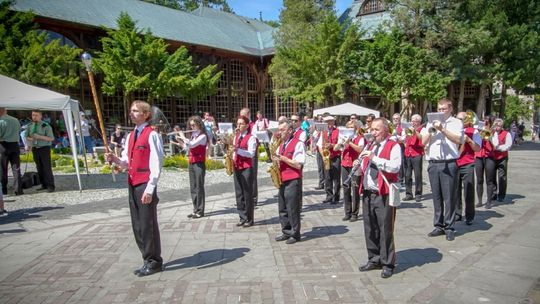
<point>145,225</point>
<point>243,184</point>
<point>379,219</point>
<point>320,169</point>
<point>197,171</point>
<point>11,156</point>
<point>480,169</point>
<point>443,178</point>
<point>496,172</point>
<point>413,164</point>
<point>332,180</point>
<point>466,191</point>
<point>289,205</point>
<point>351,197</point>
<point>255,168</point>
<point>42,158</point>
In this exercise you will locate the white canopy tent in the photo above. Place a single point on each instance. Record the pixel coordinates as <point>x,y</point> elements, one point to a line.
<point>16,95</point>
<point>346,109</point>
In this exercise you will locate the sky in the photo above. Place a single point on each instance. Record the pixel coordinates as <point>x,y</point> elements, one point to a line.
<point>270,8</point>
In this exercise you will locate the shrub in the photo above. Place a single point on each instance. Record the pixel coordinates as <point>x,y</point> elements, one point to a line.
<point>27,157</point>
<point>175,161</point>
<point>212,164</point>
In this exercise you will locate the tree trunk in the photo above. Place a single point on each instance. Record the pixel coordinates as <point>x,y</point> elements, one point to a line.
<point>481,103</point>
<point>502,107</point>
<point>461,95</point>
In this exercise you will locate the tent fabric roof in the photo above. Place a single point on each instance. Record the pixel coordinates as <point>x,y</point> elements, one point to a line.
<point>204,26</point>
<point>346,109</point>
<point>18,95</point>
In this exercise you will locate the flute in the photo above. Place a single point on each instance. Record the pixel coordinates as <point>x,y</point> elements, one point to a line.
<point>178,132</point>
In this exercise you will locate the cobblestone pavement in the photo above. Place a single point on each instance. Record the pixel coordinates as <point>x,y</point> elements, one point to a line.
<point>89,257</point>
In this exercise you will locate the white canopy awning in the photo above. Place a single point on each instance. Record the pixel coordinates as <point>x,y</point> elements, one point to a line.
<point>16,95</point>
<point>346,109</point>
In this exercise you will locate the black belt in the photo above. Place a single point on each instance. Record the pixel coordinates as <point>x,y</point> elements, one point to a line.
<point>442,161</point>
<point>370,192</point>
<point>35,148</point>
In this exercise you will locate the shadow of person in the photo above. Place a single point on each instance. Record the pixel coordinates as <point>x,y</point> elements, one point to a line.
<point>25,214</point>
<point>226,210</point>
<point>416,257</point>
<point>207,259</point>
<point>323,231</point>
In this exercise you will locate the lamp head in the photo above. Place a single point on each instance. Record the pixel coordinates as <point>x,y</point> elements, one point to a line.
<point>87,60</point>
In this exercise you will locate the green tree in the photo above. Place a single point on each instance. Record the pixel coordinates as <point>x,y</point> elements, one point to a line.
<point>133,60</point>
<point>29,55</point>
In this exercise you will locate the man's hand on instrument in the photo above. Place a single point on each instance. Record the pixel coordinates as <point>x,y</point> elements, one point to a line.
<point>366,154</point>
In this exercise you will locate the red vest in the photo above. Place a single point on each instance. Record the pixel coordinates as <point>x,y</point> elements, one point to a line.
<point>197,154</point>
<point>139,157</point>
<point>413,145</point>
<point>486,150</point>
<point>332,138</point>
<point>391,177</point>
<point>497,155</point>
<point>467,155</point>
<point>297,133</point>
<point>241,162</point>
<point>350,154</point>
<point>287,172</point>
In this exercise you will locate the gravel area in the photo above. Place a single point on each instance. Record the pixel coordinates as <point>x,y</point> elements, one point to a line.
<point>97,187</point>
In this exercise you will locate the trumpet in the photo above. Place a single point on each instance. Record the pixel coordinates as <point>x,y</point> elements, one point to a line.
<point>485,134</point>
<point>409,132</point>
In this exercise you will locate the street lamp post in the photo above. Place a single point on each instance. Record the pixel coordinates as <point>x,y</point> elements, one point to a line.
<point>87,61</point>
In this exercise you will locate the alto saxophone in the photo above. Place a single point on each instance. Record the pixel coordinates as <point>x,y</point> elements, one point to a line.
<point>273,170</point>
<point>325,152</point>
<point>229,164</point>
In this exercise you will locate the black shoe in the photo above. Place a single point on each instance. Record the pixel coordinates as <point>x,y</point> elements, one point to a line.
<point>248,224</point>
<point>479,205</point>
<point>146,271</point>
<point>369,266</point>
<point>319,188</point>
<point>326,201</point>
<point>291,240</point>
<point>488,205</point>
<point>138,270</point>
<point>4,191</point>
<point>458,218</point>
<point>418,198</point>
<point>50,190</point>
<point>407,198</point>
<point>346,217</point>
<point>449,235</point>
<point>190,215</point>
<point>468,222</point>
<point>18,193</point>
<point>41,188</point>
<point>386,272</point>
<point>334,202</point>
<point>354,218</point>
<point>282,237</point>
<point>240,223</point>
<point>436,232</point>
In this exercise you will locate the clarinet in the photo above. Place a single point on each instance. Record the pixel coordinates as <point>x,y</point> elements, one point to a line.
<point>347,182</point>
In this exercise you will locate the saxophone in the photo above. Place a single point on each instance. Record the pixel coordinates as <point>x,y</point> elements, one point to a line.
<point>229,164</point>
<point>273,170</point>
<point>325,152</point>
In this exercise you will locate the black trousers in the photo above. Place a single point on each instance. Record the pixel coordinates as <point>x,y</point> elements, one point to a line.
<point>413,164</point>
<point>480,169</point>
<point>289,205</point>
<point>403,168</point>
<point>11,156</point>
<point>466,191</point>
<point>332,181</point>
<point>320,169</point>
<point>42,158</point>
<point>496,172</point>
<point>443,178</point>
<point>145,225</point>
<point>255,168</point>
<point>243,188</point>
<point>197,171</point>
<point>379,219</point>
<point>351,196</point>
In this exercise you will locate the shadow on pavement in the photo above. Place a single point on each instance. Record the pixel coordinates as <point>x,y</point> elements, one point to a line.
<point>324,231</point>
<point>405,205</point>
<point>227,210</point>
<point>25,214</point>
<point>207,259</point>
<point>417,257</point>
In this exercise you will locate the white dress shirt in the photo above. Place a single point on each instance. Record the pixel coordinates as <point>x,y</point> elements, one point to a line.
<point>195,140</point>
<point>391,165</point>
<point>441,148</point>
<point>299,152</point>
<point>252,146</point>
<point>303,135</point>
<point>507,142</point>
<point>156,157</point>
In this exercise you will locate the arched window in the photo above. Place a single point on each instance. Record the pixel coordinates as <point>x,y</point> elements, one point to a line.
<point>370,7</point>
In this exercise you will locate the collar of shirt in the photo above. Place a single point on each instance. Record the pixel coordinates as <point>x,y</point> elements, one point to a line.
<point>195,134</point>
<point>141,127</point>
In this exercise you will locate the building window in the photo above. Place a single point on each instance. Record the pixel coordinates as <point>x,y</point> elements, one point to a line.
<point>371,7</point>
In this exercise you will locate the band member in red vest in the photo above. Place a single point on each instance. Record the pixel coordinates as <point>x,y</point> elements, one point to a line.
<point>244,153</point>
<point>480,158</point>
<point>298,133</point>
<point>414,153</point>
<point>465,162</point>
<point>399,136</point>
<point>351,151</point>
<point>143,158</point>
<point>255,168</point>
<point>383,156</point>
<point>497,163</point>
<point>291,157</point>
<point>327,141</point>
<point>197,169</point>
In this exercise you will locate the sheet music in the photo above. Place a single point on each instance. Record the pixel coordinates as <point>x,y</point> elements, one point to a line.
<point>346,132</point>
<point>262,136</point>
<point>225,127</point>
<point>273,126</point>
<point>321,126</point>
<point>435,116</point>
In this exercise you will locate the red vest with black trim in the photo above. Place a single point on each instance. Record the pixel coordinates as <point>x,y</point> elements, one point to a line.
<point>350,154</point>
<point>287,172</point>
<point>297,133</point>
<point>242,162</point>
<point>391,177</point>
<point>139,157</point>
<point>332,137</point>
<point>467,155</point>
<point>485,151</point>
<point>498,155</point>
<point>413,145</point>
<point>197,154</point>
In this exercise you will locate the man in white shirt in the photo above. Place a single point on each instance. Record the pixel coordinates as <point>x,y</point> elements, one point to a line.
<point>442,140</point>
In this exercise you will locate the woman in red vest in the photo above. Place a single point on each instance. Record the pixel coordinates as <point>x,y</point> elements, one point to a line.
<point>245,146</point>
<point>414,154</point>
<point>196,147</point>
<point>497,163</point>
<point>480,158</point>
<point>351,151</point>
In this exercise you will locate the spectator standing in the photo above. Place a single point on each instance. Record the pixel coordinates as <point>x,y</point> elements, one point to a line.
<point>87,138</point>
<point>39,137</point>
<point>261,124</point>
<point>9,150</point>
